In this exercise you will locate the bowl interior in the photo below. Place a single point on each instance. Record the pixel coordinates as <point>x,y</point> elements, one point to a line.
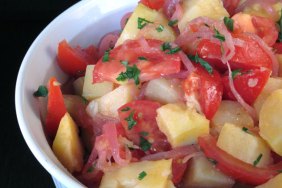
<point>82,24</point>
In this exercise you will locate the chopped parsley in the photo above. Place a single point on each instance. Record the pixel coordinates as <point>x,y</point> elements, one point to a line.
<point>91,168</point>
<point>160,28</point>
<point>125,109</point>
<point>132,72</point>
<point>257,160</point>
<point>142,58</point>
<point>212,161</point>
<point>167,46</point>
<point>218,35</point>
<point>142,22</point>
<point>202,62</point>
<point>280,28</point>
<point>236,73</point>
<point>42,91</point>
<point>245,129</point>
<point>229,23</point>
<point>130,121</point>
<point>171,23</point>
<point>143,133</point>
<point>85,101</point>
<point>106,56</point>
<point>125,63</point>
<point>173,50</point>
<point>145,145</point>
<point>142,175</point>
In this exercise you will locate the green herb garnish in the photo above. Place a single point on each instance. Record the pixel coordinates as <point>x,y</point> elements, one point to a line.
<point>236,73</point>
<point>160,28</point>
<point>212,161</point>
<point>132,72</point>
<point>229,23</point>
<point>130,121</point>
<point>257,160</point>
<point>142,22</point>
<point>173,50</point>
<point>218,35</point>
<point>165,46</point>
<point>125,109</point>
<point>106,56</point>
<point>143,133</point>
<point>142,58</point>
<point>202,62</point>
<point>42,91</point>
<point>142,175</point>
<point>171,23</point>
<point>125,63</point>
<point>145,145</point>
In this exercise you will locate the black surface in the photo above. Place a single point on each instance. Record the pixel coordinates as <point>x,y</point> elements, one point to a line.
<point>21,21</point>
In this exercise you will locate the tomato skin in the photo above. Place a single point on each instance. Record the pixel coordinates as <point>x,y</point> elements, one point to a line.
<point>207,88</point>
<point>278,47</point>
<point>55,108</point>
<point>144,113</point>
<point>244,82</point>
<point>178,170</point>
<point>73,61</point>
<point>235,168</point>
<point>158,63</point>
<point>153,4</point>
<point>248,56</point>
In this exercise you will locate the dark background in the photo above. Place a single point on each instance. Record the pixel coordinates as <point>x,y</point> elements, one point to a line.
<point>20,23</point>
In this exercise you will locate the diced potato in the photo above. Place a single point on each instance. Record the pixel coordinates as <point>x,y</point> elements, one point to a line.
<point>271,85</point>
<point>275,182</point>
<point>158,175</point>
<point>131,30</point>
<point>244,21</point>
<point>279,58</point>
<point>92,91</point>
<point>195,8</point>
<point>164,90</point>
<point>181,125</point>
<point>67,146</point>
<point>109,103</point>
<point>201,173</point>
<point>78,85</point>
<point>230,112</point>
<point>244,145</point>
<point>270,122</point>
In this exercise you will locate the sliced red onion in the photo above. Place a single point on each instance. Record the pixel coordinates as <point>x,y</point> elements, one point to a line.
<point>187,62</point>
<point>188,157</point>
<point>178,152</point>
<point>108,41</point>
<point>179,75</point>
<point>178,13</point>
<point>124,19</point>
<point>142,92</point>
<point>170,7</point>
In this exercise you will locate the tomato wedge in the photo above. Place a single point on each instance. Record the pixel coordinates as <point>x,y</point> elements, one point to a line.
<point>206,88</point>
<point>153,4</point>
<point>248,84</point>
<point>238,170</point>
<point>73,61</point>
<point>278,47</point>
<point>147,55</point>
<point>248,56</point>
<point>139,121</point>
<point>55,107</point>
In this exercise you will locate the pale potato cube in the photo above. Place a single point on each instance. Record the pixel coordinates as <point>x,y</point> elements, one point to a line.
<point>244,145</point>
<point>164,90</point>
<point>275,182</point>
<point>92,91</point>
<point>67,146</point>
<point>201,173</point>
<point>270,122</point>
<point>131,30</point>
<point>109,103</point>
<point>78,85</point>
<point>156,174</point>
<point>271,85</point>
<point>181,125</point>
<point>196,8</point>
<point>230,112</point>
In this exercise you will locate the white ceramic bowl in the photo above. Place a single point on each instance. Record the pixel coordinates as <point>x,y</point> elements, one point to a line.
<point>84,23</point>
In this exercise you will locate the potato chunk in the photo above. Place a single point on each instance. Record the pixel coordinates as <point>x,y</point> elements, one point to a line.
<point>149,31</point>
<point>270,123</point>
<point>145,174</point>
<point>195,8</point>
<point>180,124</point>
<point>67,146</point>
<point>109,103</point>
<point>230,112</point>
<point>244,145</point>
<point>92,91</point>
<point>275,182</point>
<point>201,173</point>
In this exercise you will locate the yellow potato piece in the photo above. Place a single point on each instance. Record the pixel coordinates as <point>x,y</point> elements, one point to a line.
<point>270,122</point>
<point>67,146</point>
<point>275,182</point>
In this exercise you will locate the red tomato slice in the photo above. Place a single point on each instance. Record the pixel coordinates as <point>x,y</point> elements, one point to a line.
<point>73,61</point>
<point>250,55</point>
<point>157,63</point>
<point>235,168</point>
<point>248,84</point>
<point>278,47</point>
<point>178,170</point>
<point>206,88</point>
<point>143,113</point>
<point>153,4</point>
<point>55,108</point>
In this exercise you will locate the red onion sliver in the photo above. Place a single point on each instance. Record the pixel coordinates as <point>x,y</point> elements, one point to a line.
<point>124,19</point>
<point>186,61</point>
<point>108,41</point>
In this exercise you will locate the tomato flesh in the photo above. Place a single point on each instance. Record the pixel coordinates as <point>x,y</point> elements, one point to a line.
<point>153,4</point>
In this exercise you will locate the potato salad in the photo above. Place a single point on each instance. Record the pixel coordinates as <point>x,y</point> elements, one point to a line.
<point>187,93</point>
